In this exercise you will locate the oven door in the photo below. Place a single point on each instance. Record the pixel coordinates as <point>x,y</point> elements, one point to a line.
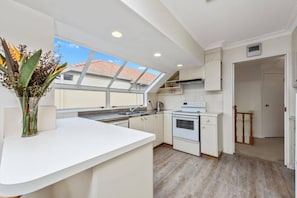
<point>185,127</point>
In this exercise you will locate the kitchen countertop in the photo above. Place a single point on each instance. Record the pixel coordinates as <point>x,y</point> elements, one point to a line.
<point>106,117</point>
<point>29,164</point>
<point>168,111</point>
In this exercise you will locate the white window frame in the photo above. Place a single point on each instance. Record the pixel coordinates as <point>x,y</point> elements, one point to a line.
<point>107,89</point>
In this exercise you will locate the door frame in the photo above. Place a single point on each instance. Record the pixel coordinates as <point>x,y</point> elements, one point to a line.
<point>287,105</point>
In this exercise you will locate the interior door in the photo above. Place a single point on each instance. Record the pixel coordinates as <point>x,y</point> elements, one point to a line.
<point>273,105</point>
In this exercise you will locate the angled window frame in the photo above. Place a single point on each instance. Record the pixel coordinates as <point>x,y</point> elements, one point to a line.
<point>107,89</point>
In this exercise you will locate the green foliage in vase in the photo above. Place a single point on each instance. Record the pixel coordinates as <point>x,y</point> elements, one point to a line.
<point>29,74</point>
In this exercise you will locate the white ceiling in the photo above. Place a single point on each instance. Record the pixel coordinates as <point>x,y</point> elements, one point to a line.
<point>212,24</point>
<point>230,21</point>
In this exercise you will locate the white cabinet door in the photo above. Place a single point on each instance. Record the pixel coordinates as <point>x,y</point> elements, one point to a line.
<point>212,75</point>
<point>168,128</point>
<point>136,123</point>
<point>151,124</point>
<point>210,135</point>
<point>193,73</point>
<point>157,123</point>
<point>209,140</point>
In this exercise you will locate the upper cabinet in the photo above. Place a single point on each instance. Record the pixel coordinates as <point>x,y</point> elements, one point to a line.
<point>190,74</point>
<point>213,70</point>
<point>210,74</point>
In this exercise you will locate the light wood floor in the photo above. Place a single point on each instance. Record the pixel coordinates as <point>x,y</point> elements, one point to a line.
<point>271,149</point>
<point>179,175</point>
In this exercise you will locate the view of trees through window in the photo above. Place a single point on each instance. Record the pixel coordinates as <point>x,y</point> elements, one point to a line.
<point>91,75</point>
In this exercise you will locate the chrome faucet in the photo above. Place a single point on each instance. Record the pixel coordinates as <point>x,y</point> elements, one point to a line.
<point>132,109</point>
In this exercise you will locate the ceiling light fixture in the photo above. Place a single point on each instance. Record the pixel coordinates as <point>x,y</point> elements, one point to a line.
<point>179,65</point>
<point>116,34</point>
<point>157,54</point>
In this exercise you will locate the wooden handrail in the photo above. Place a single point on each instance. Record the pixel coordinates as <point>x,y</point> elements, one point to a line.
<point>243,114</point>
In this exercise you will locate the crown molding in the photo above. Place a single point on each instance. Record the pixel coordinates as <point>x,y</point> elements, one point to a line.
<point>214,45</point>
<point>256,39</point>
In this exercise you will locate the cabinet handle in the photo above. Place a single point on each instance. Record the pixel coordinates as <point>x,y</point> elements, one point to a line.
<point>207,120</point>
<point>203,127</point>
<point>142,119</point>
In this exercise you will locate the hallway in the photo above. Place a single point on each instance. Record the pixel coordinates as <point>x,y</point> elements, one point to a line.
<point>270,149</point>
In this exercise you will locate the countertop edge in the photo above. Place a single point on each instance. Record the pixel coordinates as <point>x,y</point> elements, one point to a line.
<point>39,183</point>
<point>31,186</point>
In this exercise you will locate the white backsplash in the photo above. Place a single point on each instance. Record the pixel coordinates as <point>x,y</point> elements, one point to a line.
<point>194,92</point>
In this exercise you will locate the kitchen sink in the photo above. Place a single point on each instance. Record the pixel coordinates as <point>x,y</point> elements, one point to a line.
<point>135,113</point>
<point>126,113</point>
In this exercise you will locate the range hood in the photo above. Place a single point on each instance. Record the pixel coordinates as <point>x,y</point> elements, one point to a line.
<point>190,81</point>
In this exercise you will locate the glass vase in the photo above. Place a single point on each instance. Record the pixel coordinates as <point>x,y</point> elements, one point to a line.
<point>29,107</point>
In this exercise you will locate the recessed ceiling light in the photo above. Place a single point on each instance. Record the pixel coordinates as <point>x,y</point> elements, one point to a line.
<point>157,54</point>
<point>179,65</point>
<point>116,34</point>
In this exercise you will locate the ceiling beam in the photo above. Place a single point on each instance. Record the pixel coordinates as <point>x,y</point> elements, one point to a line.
<point>155,13</point>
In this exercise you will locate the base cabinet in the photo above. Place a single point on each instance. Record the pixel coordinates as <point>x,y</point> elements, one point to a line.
<point>150,123</point>
<point>168,128</point>
<point>210,134</point>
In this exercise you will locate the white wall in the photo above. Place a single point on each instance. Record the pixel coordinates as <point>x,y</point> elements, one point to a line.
<point>21,25</point>
<point>193,92</point>
<point>153,97</point>
<point>272,47</point>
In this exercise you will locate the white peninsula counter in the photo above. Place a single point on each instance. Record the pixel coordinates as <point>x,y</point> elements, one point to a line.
<point>80,158</point>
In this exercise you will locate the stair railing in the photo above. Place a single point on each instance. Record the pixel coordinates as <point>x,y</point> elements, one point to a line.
<point>242,116</point>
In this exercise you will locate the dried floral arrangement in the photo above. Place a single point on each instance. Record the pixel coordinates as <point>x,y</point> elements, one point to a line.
<point>28,73</point>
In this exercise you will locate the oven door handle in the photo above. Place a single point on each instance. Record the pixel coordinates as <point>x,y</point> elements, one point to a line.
<point>182,116</point>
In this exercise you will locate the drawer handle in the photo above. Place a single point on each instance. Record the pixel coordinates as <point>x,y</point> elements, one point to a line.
<point>203,127</point>
<point>207,120</point>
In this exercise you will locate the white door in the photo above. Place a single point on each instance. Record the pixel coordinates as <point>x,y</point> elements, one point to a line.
<point>273,105</point>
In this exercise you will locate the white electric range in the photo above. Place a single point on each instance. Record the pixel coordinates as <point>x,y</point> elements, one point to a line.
<point>186,127</point>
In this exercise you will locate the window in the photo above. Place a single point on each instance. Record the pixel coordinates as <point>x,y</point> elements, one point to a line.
<point>125,99</point>
<point>148,77</point>
<point>75,56</point>
<point>65,99</point>
<point>129,74</point>
<point>91,77</point>
<point>101,70</point>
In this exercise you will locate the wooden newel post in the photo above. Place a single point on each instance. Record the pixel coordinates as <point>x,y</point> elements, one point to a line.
<point>251,129</point>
